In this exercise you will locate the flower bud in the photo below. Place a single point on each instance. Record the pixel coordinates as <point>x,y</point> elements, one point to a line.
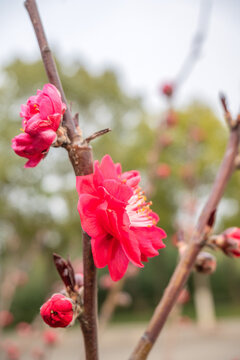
<point>229,241</point>
<point>58,311</point>
<point>163,171</point>
<point>50,337</point>
<point>205,263</point>
<point>12,350</point>
<point>79,280</point>
<point>6,318</point>
<point>167,89</point>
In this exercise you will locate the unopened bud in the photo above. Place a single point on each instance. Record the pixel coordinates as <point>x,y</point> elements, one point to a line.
<point>229,241</point>
<point>167,89</point>
<point>59,311</point>
<point>205,263</point>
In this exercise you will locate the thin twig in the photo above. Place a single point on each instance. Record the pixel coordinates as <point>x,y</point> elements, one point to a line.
<point>186,263</point>
<point>80,155</point>
<point>97,134</point>
<point>228,117</point>
<point>110,303</point>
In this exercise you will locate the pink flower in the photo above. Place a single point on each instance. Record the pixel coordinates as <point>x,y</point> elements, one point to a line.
<point>57,311</point>
<point>41,118</point>
<point>115,214</point>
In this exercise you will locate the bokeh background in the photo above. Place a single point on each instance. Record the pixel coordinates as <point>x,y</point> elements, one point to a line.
<point>113,59</point>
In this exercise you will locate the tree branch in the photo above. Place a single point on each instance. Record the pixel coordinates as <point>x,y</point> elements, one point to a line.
<point>186,263</point>
<point>80,154</point>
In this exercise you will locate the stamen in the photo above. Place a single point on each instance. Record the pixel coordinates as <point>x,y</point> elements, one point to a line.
<point>138,210</point>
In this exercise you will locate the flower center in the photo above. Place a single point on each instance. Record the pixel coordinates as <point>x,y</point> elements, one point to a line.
<point>139,211</point>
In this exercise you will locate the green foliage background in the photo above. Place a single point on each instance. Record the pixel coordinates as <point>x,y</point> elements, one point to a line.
<point>39,206</point>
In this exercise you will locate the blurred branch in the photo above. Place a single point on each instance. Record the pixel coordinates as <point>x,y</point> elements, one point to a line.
<point>110,303</point>
<point>197,42</point>
<point>198,240</point>
<point>80,155</point>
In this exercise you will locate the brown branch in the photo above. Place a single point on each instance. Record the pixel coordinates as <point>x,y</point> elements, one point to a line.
<point>80,155</point>
<point>88,321</point>
<point>186,263</point>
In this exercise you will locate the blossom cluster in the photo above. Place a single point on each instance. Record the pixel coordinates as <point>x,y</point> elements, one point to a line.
<point>41,118</point>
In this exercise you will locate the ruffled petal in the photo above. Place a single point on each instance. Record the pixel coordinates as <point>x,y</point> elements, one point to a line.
<point>84,185</point>
<point>120,191</point>
<point>117,261</point>
<point>108,168</point>
<point>52,92</point>
<point>88,206</point>
<point>150,240</point>
<point>132,178</point>
<point>100,249</point>
<point>34,161</point>
<point>45,106</point>
<point>130,246</point>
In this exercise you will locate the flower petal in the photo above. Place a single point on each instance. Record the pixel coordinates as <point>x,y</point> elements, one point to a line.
<point>84,185</point>
<point>87,208</point>
<point>100,249</point>
<point>120,191</point>
<point>108,168</point>
<point>117,261</point>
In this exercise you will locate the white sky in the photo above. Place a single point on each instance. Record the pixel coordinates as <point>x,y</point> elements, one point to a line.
<point>145,41</point>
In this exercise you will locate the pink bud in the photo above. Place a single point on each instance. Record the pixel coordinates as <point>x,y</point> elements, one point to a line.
<point>24,329</point>
<point>163,171</point>
<point>12,351</point>
<point>167,89</point>
<point>6,318</point>
<point>50,337</point>
<point>229,241</point>
<point>57,311</point>
<point>205,263</point>
<point>79,280</point>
